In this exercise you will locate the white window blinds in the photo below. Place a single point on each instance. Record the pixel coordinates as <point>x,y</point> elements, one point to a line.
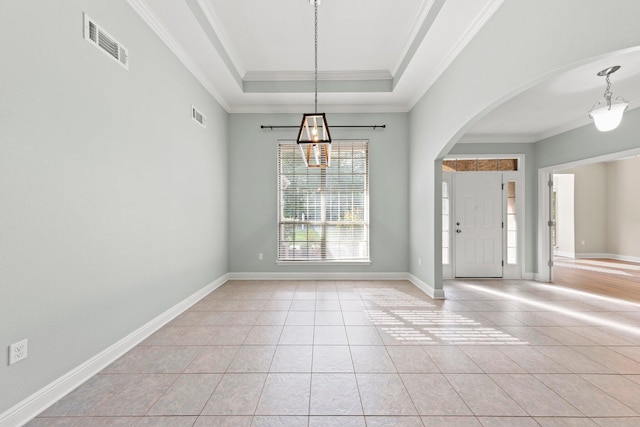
<point>323,213</point>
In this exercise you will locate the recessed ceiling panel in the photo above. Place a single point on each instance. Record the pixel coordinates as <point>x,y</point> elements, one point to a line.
<point>272,36</point>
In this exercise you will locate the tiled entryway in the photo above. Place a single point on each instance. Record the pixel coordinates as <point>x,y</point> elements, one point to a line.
<point>375,353</point>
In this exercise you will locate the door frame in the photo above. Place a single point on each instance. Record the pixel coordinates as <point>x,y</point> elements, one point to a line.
<point>510,271</point>
<point>545,252</point>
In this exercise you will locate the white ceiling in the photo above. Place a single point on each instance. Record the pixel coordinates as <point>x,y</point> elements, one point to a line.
<point>373,56</point>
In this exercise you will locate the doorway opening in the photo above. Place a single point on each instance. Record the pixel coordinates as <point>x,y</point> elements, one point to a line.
<point>482,217</point>
<point>588,225</point>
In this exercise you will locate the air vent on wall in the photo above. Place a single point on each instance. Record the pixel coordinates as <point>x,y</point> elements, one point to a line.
<point>198,117</point>
<point>98,37</point>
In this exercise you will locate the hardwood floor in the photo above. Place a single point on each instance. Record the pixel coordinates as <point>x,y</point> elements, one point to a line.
<point>608,277</point>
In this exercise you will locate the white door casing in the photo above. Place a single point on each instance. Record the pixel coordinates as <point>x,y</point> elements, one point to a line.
<point>478,224</point>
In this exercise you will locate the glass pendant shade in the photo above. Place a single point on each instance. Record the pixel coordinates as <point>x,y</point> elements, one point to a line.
<point>314,140</point>
<point>607,113</point>
<point>606,117</point>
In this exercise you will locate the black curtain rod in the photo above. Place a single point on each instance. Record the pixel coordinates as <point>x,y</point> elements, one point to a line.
<point>295,127</point>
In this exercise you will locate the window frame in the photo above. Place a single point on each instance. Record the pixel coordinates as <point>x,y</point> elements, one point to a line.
<point>365,220</point>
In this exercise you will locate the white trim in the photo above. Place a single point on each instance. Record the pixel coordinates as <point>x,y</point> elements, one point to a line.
<point>544,174</point>
<point>416,25</point>
<point>328,275</point>
<point>147,15</point>
<point>498,138</point>
<point>541,278</point>
<point>453,53</point>
<point>625,258</point>
<point>564,254</point>
<point>215,23</point>
<point>276,76</point>
<point>593,255</point>
<point>27,409</point>
<point>327,108</point>
<point>544,255</point>
<point>529,276</point>
<point>509,271</point>
<point>426,288</point>
<point>608,256</point>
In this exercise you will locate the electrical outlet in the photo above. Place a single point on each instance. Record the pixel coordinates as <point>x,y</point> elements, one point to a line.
<point>17,351</point>
<point>260,256</point>
<point>419,261</point>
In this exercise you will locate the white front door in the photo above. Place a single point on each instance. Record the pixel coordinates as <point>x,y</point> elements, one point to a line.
<point>478,224</point>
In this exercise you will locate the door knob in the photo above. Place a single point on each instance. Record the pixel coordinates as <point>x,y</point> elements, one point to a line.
<point>457,223</point>
<point>458,231</point>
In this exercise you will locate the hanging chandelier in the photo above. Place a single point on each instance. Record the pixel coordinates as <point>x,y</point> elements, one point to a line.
<point>314,138</point>
<point>607,113</point>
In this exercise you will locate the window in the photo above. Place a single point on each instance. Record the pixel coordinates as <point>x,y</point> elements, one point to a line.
<point>445,222</point>
<point>512,224</point>
<point>479,165</point>
<point>323,213</point>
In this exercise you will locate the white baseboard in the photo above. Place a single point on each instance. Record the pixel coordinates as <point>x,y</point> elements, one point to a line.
<point>593,255</point>
<point>26,410</point>
<point>426,288</point>
<point>564,254</point>
<point>318,276</point>
<point>609,256</point>
<point>529,276</point>
<point>626,258</point>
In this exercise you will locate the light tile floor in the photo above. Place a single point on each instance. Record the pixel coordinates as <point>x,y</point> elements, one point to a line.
<point>375,353</point>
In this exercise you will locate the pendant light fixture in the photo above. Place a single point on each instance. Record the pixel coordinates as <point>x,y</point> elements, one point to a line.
<point>607,113</point>
<point>314,139</point>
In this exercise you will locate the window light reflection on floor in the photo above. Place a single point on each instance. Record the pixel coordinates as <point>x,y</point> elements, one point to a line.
<point>473,336</point>
<point>550,307</point>
<point>400,320</point>
<point>592,268</point>
<point>615,265</point>
<point>562,289</point>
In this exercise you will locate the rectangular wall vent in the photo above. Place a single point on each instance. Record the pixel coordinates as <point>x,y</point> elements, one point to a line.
<point>198,117</point>
<point>98,37</point>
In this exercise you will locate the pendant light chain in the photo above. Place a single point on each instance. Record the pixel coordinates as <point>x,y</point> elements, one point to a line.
<point>607,92</point>
<point>315,6</point>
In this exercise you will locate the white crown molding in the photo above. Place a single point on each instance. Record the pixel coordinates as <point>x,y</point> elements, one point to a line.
<point>147,15</point>
<point>26,410</point>
<point>330,108</point>
<point>502,138</point>
<point>216,25</point>
<point>423,12</point>
<point>462,42</point>
<point>268,76</point>
<point>583,121</point>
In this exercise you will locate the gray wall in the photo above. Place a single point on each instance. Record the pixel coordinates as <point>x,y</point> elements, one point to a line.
<point>252,192</point>
<point>587,142</point>
<point>589,208</point>
<point>623,208</point>
<point>113,202</point>
<point>607,213</point>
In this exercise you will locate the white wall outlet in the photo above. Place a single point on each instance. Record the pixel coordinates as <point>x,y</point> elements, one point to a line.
<point>17,351</point>
<point>260,257</point>
<point>583,243</point>
<point>419,261</point>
